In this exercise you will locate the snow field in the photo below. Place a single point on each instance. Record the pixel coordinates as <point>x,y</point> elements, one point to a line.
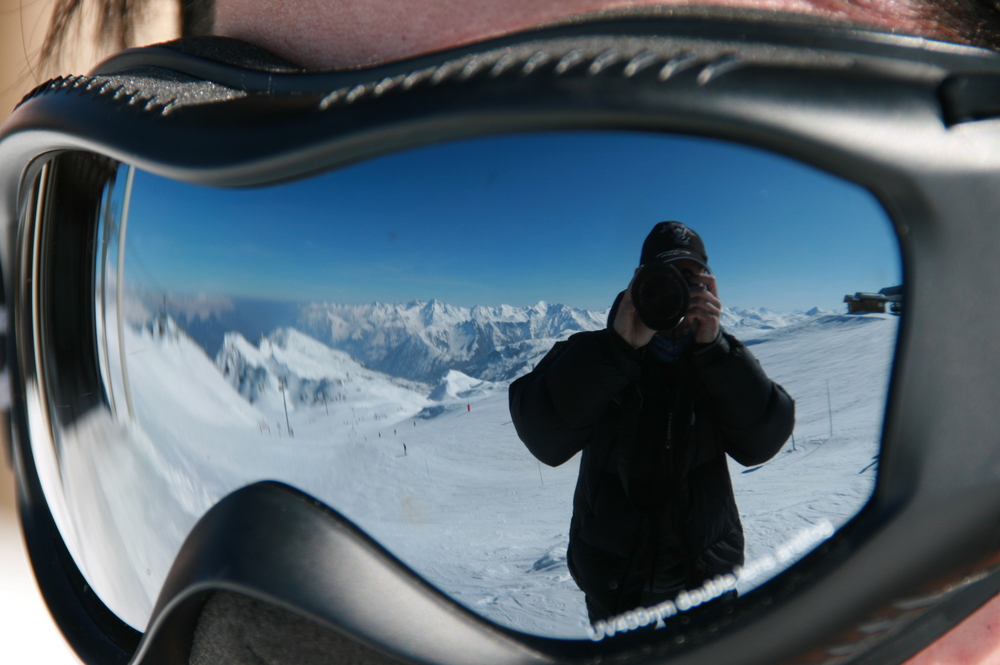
<point>824,476</point>
<point>437,476</point>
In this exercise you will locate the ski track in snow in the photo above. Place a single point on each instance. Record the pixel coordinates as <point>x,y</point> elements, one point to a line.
<point>463,503</point>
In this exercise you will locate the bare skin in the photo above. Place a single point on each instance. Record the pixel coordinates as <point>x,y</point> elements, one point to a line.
<point>352,33</point>
<point>356,33</point>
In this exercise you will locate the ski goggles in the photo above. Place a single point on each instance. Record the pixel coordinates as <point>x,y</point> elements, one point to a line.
<point>262,322</point>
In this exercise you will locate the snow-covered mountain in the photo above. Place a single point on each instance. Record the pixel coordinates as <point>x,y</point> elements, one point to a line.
<point>423,340</point>
<point>309,371</point>
<point>455,386</point>
<point>751,323</point>
<point>432,342</point>
<point>378,349</point>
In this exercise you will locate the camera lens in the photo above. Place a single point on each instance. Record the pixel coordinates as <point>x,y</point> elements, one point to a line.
<point>661,295</point>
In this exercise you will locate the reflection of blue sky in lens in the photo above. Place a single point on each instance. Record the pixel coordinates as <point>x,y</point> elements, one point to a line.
<point>515,220</point>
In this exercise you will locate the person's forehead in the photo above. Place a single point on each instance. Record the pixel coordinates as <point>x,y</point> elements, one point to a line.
<point>348,33</point>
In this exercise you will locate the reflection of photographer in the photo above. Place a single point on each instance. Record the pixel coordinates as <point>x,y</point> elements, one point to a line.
<point>655,402</point>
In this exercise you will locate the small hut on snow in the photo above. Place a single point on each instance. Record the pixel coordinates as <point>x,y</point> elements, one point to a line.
<point>891,296</point>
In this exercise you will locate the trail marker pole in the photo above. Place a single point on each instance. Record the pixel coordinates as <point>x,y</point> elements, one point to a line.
<point>829,406</point>
<point>282,385</point>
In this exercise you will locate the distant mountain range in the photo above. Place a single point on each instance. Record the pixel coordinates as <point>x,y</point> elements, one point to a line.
<point>750,323</point>
<point>418,354</point>
<point>422,341</point>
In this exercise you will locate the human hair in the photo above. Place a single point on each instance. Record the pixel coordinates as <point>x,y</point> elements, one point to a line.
<point>972,22</point>
<point>116,23</point>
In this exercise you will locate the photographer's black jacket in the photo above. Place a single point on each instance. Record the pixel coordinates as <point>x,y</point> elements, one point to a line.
<point>654,506</point>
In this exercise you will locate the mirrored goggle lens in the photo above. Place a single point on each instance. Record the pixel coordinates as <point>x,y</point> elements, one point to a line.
<point>354,334</point>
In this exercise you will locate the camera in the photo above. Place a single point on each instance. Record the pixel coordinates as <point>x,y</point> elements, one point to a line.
<point>661,294</point>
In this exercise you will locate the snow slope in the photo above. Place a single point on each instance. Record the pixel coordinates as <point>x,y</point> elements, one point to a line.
<point>455,385</point>
<point>309,372</point>
<point>825,474</point>
<point>437,474</point>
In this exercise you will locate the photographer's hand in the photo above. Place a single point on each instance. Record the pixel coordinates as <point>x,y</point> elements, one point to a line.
<point>705,309</point>
<point>628,324</point>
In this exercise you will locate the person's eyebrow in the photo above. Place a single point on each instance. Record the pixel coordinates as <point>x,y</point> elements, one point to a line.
<point>972,22</point>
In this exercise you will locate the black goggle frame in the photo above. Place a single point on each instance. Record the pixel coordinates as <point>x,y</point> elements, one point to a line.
<point>909,120</point>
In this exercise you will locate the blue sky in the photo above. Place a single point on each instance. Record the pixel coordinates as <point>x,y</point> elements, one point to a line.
<point>516,219</point>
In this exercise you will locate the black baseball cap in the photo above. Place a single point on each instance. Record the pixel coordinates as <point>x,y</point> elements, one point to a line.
<point>672,240</point>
